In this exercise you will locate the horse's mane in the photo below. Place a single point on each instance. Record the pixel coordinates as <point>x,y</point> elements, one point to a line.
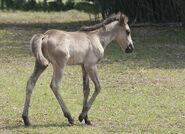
<point>112,18</point>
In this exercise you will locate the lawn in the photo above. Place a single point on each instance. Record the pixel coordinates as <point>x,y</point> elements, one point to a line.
<point>142,92</point>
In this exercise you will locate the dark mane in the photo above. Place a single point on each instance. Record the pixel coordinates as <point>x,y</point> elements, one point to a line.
<point>112,18</point>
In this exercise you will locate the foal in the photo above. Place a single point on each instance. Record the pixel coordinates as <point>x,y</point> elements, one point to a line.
<point>84,47</point>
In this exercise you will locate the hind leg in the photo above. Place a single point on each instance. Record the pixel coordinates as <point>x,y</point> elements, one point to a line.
<point>38,69</point>
<point>58,72</point>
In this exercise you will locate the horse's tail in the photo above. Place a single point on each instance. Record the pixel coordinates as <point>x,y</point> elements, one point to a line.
<point>36,47</point>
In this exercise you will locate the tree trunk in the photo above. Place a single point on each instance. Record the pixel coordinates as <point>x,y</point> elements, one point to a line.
<point>183,17</point>
<point>2,4</point>
<point>181,5</point>
<point>45,5</point>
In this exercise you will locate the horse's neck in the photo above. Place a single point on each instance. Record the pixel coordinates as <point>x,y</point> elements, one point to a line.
<point>107,34</point>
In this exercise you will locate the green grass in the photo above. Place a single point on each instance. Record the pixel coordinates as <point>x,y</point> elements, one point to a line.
<point>143,92</point>
<point>21,17</point>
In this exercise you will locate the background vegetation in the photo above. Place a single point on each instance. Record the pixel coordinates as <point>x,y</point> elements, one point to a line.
<point>137,10</point>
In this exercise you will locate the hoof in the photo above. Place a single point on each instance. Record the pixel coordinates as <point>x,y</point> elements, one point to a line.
<point>71,121</point>
<point>26,121</point>
<point>81,117</point>
<point>87,121</point>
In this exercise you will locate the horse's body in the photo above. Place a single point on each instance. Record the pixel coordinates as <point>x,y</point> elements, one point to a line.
<point>78,47</point>
<point>84,47</point>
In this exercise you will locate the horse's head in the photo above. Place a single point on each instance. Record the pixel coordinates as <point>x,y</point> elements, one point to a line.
<point>124,34</point>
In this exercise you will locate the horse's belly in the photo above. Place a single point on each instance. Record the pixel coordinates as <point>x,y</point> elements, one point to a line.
<point>75,60</point>
<point>81,58</point>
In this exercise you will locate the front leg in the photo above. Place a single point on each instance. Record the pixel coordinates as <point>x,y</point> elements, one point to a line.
<point>92,72</point>
<point>86,91</point>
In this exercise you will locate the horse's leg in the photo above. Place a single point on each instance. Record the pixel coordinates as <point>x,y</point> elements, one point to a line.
<point>29,88</point>
<point>58,72</point>
<point>92,71</point>
<point>86,91</point>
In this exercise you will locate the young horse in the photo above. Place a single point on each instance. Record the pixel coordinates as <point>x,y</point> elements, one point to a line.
<point>84,47</point>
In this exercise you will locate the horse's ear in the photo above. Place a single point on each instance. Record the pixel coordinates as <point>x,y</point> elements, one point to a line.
<point>123,19</point>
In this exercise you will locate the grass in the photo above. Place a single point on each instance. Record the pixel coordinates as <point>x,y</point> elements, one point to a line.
<point>142,92</point>
<point>21,17</point>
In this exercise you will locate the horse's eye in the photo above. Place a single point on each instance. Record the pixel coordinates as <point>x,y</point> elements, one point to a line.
<point>128,32</point>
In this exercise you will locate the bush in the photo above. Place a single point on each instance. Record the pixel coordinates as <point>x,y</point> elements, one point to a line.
<point>9,3</point>
<point>14,4</point>
<point>84,6</point>
<point>55,6</point>
<point>32,5</point>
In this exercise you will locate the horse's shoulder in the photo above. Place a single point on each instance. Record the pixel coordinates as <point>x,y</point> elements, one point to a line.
<point>97,47</point>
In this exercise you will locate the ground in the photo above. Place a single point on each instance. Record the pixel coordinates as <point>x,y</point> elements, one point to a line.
<point>142,92</point>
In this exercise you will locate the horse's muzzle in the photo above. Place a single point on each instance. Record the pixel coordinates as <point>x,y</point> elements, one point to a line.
<point>129,48</point>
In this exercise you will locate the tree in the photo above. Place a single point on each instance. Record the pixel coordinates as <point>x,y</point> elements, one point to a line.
<point>9,3</point>
<point>141,10</point>
<point>181,4</point>
<point>2,4</point>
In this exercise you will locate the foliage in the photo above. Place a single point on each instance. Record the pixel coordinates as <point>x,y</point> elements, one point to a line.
<point>137,10</point>
<point>84,6</point>
<point>9,3</point>
<point>142,10</point>
<point>38,6</point>
<point>70,4</point>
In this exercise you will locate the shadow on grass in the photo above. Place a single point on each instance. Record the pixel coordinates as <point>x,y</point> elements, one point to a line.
<point>68,26</point>
<point>154,47</point>
<point>16,37</point>
<point>42,126</point>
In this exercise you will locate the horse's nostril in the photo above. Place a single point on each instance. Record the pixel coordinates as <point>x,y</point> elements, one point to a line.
<point>130,46</point>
